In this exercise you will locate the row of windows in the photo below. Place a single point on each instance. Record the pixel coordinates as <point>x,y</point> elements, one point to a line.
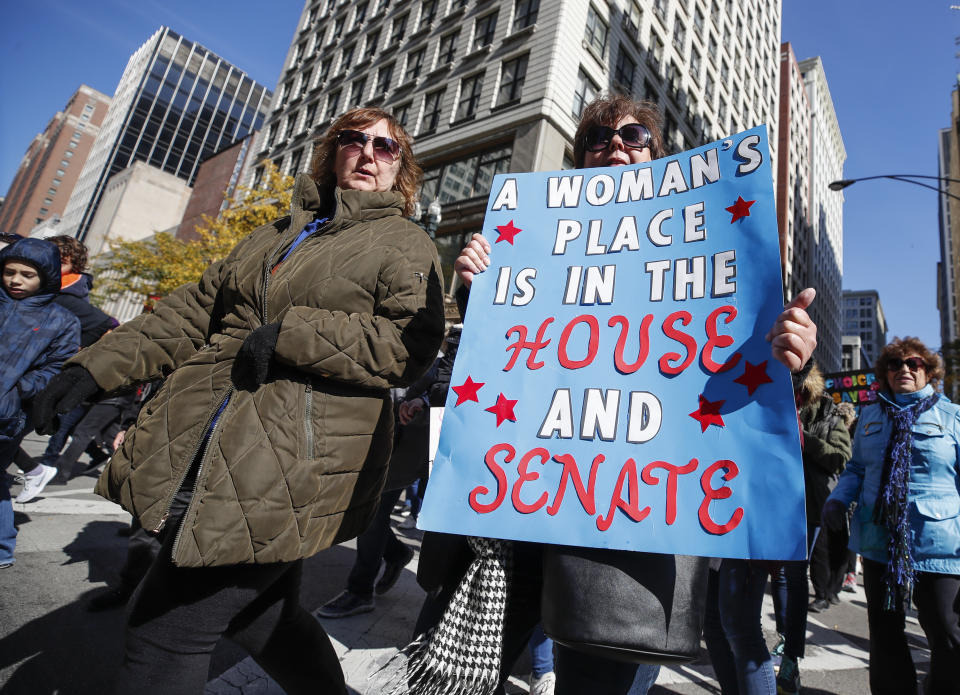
<point>468,103</point>
<point>416,60</point>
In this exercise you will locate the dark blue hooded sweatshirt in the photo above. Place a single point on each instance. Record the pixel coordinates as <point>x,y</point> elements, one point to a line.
<point>36,335</point>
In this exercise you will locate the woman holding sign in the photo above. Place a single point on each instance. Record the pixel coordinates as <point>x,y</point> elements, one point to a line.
<point>270,438</point>
<point>616,131</point>
<point>905,478</point>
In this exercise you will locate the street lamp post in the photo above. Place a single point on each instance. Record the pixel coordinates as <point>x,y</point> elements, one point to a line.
<point>429,219</point>
<point>906,178</point>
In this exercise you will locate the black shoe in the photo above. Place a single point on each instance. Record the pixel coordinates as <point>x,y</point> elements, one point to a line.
<point>391,572</point>
<point>818,605</point>
<point>110,598</point>
<point>346,604</point>
<point>834,600</point>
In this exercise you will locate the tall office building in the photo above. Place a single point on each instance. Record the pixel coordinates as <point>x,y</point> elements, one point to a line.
<point>825,255</point>
<point>493,86</point>
<point>948,209</point>
<point>793,176</point>
<point>176,104</point>
<point>51,166</point>
<point>863,316</point>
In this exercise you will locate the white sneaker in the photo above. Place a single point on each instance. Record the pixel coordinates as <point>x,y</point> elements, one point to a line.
<point>33,484</point>
<point>543,685</point>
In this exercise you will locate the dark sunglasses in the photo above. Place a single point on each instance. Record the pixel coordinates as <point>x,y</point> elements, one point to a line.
<point>914,364</point>
<point>383,147</point>
<point>633,135</point>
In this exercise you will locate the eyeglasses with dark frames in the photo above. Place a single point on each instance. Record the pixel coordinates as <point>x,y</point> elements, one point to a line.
<point>384,148</point>
<point>914,364</point>
<point>632,135</point>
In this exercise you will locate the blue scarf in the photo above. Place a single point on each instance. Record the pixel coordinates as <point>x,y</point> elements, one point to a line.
<point>891,508</point>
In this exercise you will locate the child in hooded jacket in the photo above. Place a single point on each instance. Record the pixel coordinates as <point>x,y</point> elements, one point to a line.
<point>38,336</point>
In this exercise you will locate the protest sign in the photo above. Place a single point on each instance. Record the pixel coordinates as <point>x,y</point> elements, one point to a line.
<point>613,387</point>
<point>858,387</point>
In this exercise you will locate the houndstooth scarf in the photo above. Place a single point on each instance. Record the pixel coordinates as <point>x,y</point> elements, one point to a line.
<point>891,509</point>
<point>462,654</point>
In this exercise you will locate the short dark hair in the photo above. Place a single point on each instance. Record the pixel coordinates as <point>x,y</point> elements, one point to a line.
<point>325,151</point>
<point>73,250</point>
<point>903,347</point>
<point>608,110</point>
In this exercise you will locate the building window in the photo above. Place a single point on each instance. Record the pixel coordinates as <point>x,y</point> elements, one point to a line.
<point>337,29</point>
<point>724,72</point>
<point>72,143</point>
<point>48,201</point>
<point>512,76</point>
<point>486,26</point>
<point>384,75</point>
<point>708,88</point>
<point>399,29</point>
<point>679,35</point>
<point>305,82</point>
<point>370,47</point>
<point>88,108</point>
<point>596,31</point>
<point>57,182</point>
<point>698,20</point>
<point>712,48</point>
<point>525,13</point>
<point>291,124</point>
<point>61,172</point>
<point>324,71</point>
<point>311,115</point>
<point>431,110</point>
<point>470,89</point>
<point>585,92</point>
<point>85,117</point>
<point>44,211</point>
<point>428,10</point>
<point>695,64</point>
<point>633,17</point>
<point>448,48</point>
<point>360,15</point>
<point>295,162</point>
<point>271,134</point>
<point>346,58</point>
<point>402,114</point>
<point>51,191</point>
<point>356,92</point>
<point>470,177</point>
<point>414,64</point>
<point>333,105</point>
<point>625,69</point>
<point>64,163</point>
<point>655,56</point>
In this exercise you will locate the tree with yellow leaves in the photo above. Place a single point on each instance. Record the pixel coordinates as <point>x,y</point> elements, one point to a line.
<point>155,266</point>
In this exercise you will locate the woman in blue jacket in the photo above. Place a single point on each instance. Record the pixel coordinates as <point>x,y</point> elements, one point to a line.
<point>905,478</point>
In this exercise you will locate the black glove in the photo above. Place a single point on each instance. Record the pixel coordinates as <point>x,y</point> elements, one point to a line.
<point>66,391</point>
<point>833,517</point>
<point>252,363</point>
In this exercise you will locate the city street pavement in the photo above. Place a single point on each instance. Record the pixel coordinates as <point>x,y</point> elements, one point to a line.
<point>69,548</point>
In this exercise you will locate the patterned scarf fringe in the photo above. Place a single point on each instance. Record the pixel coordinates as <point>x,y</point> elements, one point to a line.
<point>461,655</point>
<point>894,489</point>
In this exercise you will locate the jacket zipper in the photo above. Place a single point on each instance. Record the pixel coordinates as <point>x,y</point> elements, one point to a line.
<point>193,456</point>
<point>308,420</point>
<point>196,482</point>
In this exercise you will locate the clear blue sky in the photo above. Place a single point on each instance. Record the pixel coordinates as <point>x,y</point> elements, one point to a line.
<point>890,65</point>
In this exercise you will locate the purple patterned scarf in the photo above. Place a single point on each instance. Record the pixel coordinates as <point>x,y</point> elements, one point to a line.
<point>891,508</point>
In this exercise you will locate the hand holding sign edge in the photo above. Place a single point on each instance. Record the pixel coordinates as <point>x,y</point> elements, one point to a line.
<point>794,334</point>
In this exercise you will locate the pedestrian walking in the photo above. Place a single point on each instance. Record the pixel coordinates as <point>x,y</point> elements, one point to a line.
<point>905,478</point>
<point>270,437</point>
<point>38,337</point>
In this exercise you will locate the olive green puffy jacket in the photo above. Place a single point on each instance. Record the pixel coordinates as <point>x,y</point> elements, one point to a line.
<point>297,464</point>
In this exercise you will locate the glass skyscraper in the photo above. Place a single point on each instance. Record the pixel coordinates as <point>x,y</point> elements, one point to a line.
<point>176,104</point>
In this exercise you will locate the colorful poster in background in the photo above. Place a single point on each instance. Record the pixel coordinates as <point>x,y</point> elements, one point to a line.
<point>857,387</point>
<point>613,387</point>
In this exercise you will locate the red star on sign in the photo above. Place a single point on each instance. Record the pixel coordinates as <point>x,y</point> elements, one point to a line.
<point>708,413</point>
<point>753,376</point>
<point>467,391</point>
<point>739,209</point>
<point>507,232</point>
<point>503,409</point>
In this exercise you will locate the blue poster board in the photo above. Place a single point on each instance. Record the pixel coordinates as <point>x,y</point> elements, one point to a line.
<point>613,387</point>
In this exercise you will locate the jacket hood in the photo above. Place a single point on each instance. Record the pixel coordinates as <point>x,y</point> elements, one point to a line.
<point>308,199</point>
<point>77,284</point>
<point>813,385</point>
<point>42,254</point>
